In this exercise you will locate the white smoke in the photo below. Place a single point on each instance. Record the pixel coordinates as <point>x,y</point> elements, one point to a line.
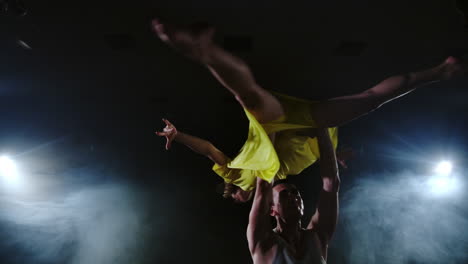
<point>397,218</point>
<point>100,224</point>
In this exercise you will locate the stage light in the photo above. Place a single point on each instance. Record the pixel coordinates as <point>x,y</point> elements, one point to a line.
<point>7,168</point>
<point>444,168</point>
<point>443,181</point>
<point>443,185</point>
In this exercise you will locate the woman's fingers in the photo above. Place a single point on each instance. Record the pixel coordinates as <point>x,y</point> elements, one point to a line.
<point>168,132</point>
<point>343,163</point>
<point>161,133</point>
<point>168,123</point>
<point>345,154</point>
<point>168,129</point>
<point>160,30</point>
<point>168,142</point>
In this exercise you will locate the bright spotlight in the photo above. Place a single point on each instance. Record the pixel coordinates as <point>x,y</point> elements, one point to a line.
<point>440,183</point>
<point>443,184</point>
<point>7,168</point>
<point>444,168</point>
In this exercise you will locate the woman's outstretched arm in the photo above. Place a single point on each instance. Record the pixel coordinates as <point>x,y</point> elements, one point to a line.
<point>196,144</point>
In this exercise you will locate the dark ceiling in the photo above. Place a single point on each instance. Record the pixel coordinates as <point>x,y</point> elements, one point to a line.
<point>107,46</point>
<point>100,63</point>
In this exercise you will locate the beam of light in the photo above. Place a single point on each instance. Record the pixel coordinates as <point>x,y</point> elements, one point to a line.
<point>23,44</point>
<point>444,168</point>
<point>43,145</point>
<point>7,168</point>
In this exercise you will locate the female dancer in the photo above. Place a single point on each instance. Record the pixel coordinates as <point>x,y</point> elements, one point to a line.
<point>281,139</point>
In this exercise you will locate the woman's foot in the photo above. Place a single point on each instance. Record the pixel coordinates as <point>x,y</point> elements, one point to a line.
<point>452,68</point>
<point>194,41</point>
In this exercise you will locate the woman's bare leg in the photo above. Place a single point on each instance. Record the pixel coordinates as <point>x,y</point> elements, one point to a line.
<point>337,111</point>
<point>233,73</point>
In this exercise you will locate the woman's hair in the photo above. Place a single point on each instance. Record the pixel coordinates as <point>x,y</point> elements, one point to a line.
<point>227,189</point>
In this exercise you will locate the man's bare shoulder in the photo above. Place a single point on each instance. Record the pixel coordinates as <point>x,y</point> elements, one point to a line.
<point>265,256</point>
<point>265,251</point>
<point>320,241</point>
<point>312,231</point>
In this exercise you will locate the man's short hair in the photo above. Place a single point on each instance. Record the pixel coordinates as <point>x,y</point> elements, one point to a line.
<point>283,181</point>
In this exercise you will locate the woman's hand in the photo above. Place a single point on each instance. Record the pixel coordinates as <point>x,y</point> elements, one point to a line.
<point>170,132</point>
<point>344,155</point>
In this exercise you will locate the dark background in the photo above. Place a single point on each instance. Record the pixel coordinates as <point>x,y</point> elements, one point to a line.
<point>79,108</point>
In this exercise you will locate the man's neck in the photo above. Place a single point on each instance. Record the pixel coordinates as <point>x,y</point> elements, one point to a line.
<point>290,231</point>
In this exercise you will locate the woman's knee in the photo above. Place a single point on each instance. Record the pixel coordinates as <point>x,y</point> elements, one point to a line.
<point>373,100</point>
<point>250,99</point>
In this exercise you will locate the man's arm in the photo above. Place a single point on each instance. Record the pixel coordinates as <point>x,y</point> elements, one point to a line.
<point>325,217</point>
<point>203,147</point>
<point>259,229</point>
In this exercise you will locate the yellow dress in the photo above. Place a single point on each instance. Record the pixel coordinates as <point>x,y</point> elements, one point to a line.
<point>290,154</point>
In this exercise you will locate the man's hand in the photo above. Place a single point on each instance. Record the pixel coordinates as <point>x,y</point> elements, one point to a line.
<point>170,132</point>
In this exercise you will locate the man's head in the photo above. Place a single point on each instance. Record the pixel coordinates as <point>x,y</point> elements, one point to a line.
<point>287,202</point>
